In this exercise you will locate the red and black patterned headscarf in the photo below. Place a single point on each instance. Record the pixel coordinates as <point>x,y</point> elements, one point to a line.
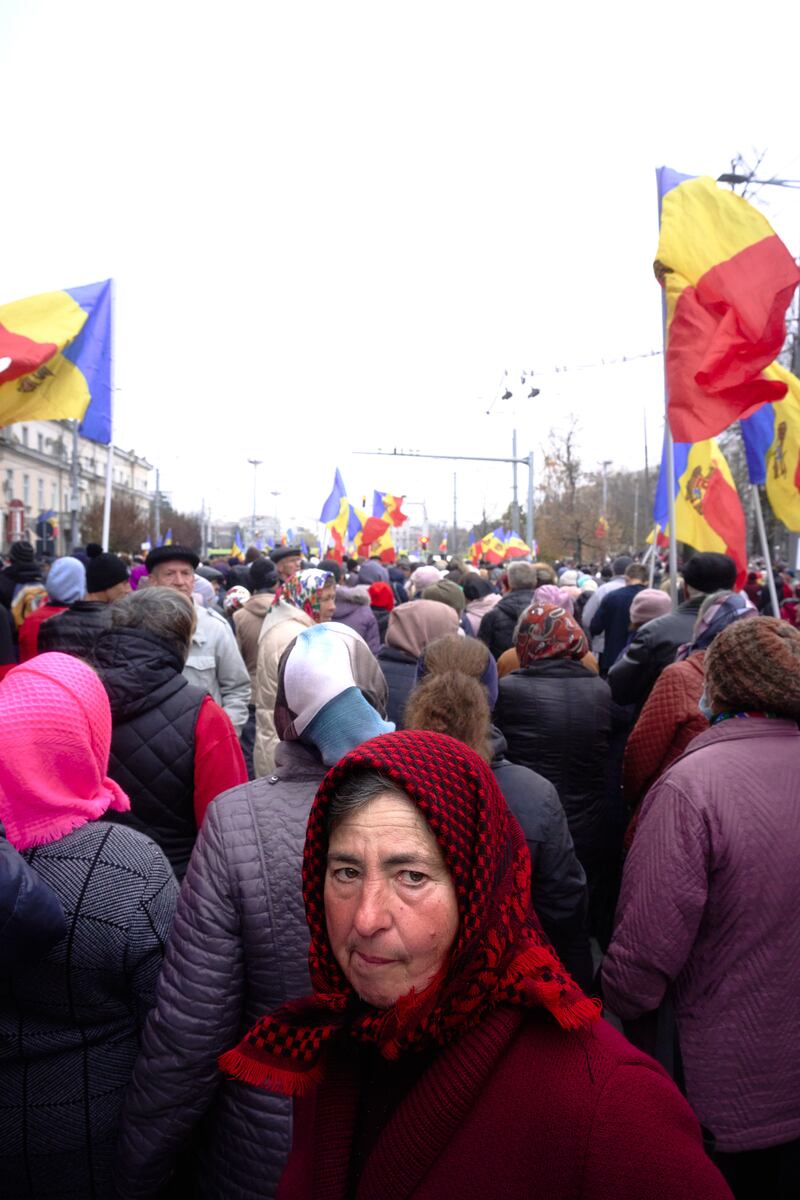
<point>547,631</point>
<point>500,954</point>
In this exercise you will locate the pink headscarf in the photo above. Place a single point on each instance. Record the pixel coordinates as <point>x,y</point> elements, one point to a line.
<point>55,735</point>
<point>549,593</point>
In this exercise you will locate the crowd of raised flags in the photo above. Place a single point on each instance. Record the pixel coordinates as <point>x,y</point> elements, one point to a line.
<point>727,280</point>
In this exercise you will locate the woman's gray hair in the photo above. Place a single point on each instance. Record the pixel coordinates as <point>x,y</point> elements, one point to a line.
<point>356,791</point>
<point>162,611</point>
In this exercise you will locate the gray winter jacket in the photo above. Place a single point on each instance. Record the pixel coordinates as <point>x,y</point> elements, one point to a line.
<point>238,949</point>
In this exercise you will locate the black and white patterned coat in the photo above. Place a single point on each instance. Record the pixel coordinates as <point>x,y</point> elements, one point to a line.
<point>70,1022</point>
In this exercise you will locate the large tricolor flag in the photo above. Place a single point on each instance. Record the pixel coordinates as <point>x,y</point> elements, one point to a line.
<point>708,513</point>
<point>55,359</point>
<point>388,508</point>
<point>375,540</point>
<point>728,280</point>
<point>772,444</point>
<point>515,547</point>
<point>342,519</point>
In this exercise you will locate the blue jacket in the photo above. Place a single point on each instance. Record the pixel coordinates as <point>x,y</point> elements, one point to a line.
<point>31,916</point>
<point>613,618</point>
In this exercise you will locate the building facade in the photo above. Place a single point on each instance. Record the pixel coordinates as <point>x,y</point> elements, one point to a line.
<point>35,476</point>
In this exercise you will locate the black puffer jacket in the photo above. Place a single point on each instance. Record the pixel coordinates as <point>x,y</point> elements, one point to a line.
<point>154,712</point>
<point>400,672</point>
<point>558,882</point>
<point>497,627</point>
<point>76,630</point>
<point>653,647</point>
<point>556,718</point>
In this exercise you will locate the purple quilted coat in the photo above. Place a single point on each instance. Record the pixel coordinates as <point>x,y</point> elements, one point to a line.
<point>238,948</point>
<point>709,910</point>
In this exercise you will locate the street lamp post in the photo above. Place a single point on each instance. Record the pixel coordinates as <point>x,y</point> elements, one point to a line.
<point>255,463</point>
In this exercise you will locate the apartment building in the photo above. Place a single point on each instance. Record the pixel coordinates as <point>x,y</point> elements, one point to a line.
<point>35,463</point>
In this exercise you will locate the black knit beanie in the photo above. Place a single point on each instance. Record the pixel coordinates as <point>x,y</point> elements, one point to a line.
<point>21,554</point>
<point>710,572</point>
<point>103,571</point>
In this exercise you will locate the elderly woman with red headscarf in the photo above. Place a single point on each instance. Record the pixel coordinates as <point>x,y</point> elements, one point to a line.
<point>444,1050</point>
<point>70,1020</point>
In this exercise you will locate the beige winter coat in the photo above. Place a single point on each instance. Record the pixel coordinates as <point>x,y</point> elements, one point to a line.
<point>281,626</point>
<point>248,621</point>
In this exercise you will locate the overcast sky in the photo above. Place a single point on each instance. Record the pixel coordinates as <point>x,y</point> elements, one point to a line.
<point>333,226</point>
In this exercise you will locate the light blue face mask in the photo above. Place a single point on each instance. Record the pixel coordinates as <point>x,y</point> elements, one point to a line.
<point>705,707</point>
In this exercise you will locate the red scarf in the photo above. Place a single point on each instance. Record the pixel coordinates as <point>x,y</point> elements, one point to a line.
<point>500,955</point>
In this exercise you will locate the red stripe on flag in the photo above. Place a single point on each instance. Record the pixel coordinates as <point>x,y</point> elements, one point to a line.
<point>723,511</point>
<point>722,335</point>
<point>26,355</point>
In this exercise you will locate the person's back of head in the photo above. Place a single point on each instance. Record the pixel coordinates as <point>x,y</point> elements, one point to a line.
<point>606,571</point>
<point>161,611</point>
<point>621,563</point>
<point>526,575</point>
<point>455,703</point>
<point>262,574</point>
<point>636,573</point>
<point>709,572</point>
<point>754,666</point>
<point>332,694</point>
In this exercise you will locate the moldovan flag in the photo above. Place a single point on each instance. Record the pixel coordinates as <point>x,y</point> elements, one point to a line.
<point>728,280</point>
<point>493,547</point>
<point>387,508</point>
<point>475,548</point>
<point>708,513</point>
<point>515,547</point>
<point>772,444</point>
<point>375,539</point>
<point>55,359</point>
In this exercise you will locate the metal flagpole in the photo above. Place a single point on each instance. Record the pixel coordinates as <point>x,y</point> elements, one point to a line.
<point>673,540</point>
<point>110,453</point>
<point>762,535</point>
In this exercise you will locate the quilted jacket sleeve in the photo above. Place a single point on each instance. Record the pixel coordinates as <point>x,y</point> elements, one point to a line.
<point>197,1015</point>
<point>652,736</point>
<point>664,892</point>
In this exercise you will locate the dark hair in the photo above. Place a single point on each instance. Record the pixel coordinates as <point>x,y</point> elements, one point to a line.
<point>358,790</point>
<point>160,610</point>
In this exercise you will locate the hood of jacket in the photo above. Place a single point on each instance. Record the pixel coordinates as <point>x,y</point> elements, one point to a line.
<point>414,625</point>
<point>357,595</point>
<point>259,604</point>
<point>480,607</point>
<point>138,669</point>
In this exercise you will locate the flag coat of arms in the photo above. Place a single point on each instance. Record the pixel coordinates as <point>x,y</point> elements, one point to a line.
<point>55,359</point>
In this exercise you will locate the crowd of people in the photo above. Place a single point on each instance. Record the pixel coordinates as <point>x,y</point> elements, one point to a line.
<point>327,879</point>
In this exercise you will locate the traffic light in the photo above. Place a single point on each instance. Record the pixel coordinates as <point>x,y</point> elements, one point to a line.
<point>423,541</point>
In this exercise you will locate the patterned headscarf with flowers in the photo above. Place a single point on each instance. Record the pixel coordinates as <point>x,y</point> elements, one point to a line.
<point>304,590</point>
<point>548,631</point>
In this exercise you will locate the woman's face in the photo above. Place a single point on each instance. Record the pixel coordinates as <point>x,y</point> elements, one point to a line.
<point>390,904</point>
<point>327,603</point>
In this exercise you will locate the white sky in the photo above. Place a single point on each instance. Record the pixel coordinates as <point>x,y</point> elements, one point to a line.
<point>333,225</point>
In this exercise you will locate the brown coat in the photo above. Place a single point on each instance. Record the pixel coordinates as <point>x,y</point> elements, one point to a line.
<point>248,621</point>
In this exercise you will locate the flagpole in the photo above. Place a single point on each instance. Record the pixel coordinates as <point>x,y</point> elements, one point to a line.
<point>762,535</point>
<point>110,455</point>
